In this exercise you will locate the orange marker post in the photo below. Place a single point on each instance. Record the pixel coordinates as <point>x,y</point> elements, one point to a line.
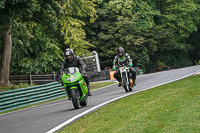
<point>112,75</point>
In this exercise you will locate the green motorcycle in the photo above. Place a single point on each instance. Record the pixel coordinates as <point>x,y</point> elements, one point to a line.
<point>75,86</point>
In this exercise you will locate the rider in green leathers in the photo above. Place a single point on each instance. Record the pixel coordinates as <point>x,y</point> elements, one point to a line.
<point>123,58</point>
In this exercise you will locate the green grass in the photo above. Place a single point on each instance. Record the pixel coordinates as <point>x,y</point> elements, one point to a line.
<point>13,87</point>
<point>171,108</point>
<point>98,85</point>
<point>94,86</point>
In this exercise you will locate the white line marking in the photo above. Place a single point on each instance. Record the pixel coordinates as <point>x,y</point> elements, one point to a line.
<point>197,73</point>
<point>102,104</point>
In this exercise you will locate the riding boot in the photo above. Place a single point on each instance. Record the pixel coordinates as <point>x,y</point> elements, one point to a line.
<point>134,82</point>
<point>89,92</point>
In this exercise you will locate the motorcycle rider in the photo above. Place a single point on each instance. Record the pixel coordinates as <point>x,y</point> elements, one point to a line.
<point>119,60</point>
<point>72,60</point>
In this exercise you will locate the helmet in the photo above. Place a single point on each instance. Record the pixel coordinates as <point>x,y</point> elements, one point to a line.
<point>69,54</point>
<point>121,51</point>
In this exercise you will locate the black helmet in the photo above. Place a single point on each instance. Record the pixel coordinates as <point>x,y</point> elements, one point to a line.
<point>121,51</point>
<point>69,54</point>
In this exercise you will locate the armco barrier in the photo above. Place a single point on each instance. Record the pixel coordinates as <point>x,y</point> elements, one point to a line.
<point>30,95</point>
<point>141,72</point>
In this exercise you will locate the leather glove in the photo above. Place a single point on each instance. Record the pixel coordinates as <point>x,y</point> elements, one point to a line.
<point>114,68</point>
<point>130,64</point>
<point>83,71</point>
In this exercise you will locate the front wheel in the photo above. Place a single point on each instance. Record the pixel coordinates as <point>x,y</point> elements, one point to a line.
<point>126,88</point>
<point>75,99</point>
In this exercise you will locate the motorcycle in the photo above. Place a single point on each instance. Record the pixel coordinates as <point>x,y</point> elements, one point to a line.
<point>75,86</point>
<point>127,82</point>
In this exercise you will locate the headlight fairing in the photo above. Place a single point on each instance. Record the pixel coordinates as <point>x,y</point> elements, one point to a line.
<point>72,79</point>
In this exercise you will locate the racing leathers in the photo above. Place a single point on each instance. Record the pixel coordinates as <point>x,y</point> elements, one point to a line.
<point>76,62</point>
<point>121,61</point>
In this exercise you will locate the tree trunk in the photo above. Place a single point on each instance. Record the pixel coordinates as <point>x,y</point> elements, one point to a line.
<point>5,58</point>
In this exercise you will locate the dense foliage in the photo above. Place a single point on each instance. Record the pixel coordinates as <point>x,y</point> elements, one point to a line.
<point>42,29</point>
<point>153,32</point>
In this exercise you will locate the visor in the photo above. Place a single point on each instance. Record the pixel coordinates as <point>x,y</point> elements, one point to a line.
<point>120,54</point>
<point>69,57</point>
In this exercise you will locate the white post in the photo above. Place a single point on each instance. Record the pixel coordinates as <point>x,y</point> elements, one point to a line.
<point>97,61</point>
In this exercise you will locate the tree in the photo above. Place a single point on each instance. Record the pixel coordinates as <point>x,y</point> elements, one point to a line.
<point>122,23</point>
<point>36,33</point>
<point>37,41</point>
<point>75,11</point>
<point>177,19</point>
<point>151,31</point>
<point>10,11</point>
<point>194,53</point>
<point>35,54</point>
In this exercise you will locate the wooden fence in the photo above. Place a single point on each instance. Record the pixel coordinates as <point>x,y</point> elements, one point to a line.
<point>33,78</point>
<point>47,78</point>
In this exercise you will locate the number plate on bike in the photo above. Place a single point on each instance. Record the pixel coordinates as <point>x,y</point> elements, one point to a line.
<point>122,69</point>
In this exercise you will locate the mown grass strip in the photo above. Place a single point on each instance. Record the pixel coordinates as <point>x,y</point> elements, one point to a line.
<point>98,85</point>
<point>171,108</point>
<point>14,87</point>
<point>94,86</point>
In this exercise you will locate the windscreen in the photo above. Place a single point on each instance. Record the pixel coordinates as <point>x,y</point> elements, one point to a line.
<point>70,70</point>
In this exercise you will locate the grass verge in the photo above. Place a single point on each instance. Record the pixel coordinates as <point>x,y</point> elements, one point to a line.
<point>171,108</point>
<point>14,87</point>
<point>98,85</point>
<point>94,86</point>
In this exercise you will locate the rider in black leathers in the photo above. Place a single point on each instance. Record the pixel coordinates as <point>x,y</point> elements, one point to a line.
<point>72,60</point>
<point>123,58</point>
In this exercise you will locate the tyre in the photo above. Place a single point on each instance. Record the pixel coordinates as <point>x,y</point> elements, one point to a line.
<point>75,99</point>
<point>126,88</point>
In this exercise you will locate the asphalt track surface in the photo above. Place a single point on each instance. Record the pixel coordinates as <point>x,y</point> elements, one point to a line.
<point>44,118</point>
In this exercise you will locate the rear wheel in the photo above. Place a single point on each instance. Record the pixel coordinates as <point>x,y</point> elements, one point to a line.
<point>130,89</point>
<point>126,88</point>
<point>75,99</point>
